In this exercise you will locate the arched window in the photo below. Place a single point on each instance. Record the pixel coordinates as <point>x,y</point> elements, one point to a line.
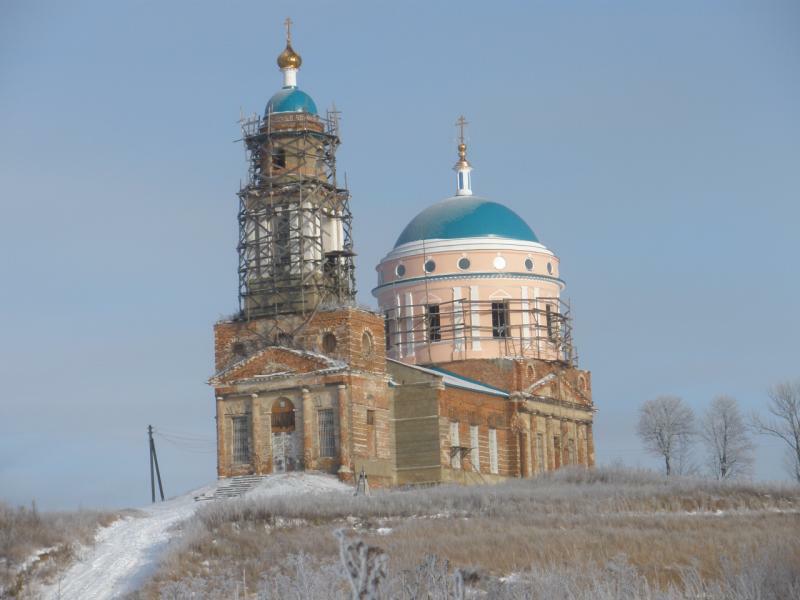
<point>328,342</point>
<point>282,416</point>
<point>366,344</point>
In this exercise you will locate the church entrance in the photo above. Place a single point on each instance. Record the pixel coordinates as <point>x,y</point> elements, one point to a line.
<point>285,445</point>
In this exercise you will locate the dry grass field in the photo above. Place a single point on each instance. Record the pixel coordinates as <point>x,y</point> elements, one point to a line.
<point>602,533</point>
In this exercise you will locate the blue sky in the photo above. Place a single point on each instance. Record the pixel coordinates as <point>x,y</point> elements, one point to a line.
<point>657,145</point>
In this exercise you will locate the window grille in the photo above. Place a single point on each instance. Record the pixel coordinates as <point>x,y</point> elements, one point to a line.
<point>455,443</point>
<point>241,440</point>
<point>500,325</point>
<point>540,451</point>
<point>474,450</point>
<point>434,322</point>
<point>493,466</point>
<point>327,441</point>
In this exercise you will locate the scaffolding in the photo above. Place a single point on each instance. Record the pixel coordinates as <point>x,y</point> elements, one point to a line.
<point>295,226</point>
<point>539,328</point>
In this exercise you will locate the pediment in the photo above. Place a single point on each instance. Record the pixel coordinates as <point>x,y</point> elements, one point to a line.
<point>274,360</point>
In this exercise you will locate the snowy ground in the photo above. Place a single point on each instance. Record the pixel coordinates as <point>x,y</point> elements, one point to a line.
<point>127,552</point>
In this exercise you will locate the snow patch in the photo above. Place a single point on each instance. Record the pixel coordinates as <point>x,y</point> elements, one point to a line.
<point>126,553</point>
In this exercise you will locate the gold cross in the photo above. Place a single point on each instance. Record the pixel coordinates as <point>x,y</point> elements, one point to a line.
<point>461,123</point>
<point>288,23</point>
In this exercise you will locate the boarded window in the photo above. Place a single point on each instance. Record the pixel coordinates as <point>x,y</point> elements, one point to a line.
<point>474,448</point>
<point>327,440</point>
<point>493,466</point>
<point>540,451</point>
<point>241,440</point>
<point>500,325</point>
<point>455,443</point>
<point>434,320</point>
<point>282,416</point>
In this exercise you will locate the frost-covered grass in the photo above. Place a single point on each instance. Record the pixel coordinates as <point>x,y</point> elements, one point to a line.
<point>602,533</point>
<point>36,544</point>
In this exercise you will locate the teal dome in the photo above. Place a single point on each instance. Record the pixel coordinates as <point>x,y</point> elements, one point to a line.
<point>466,217</point>
<point>291,99</point>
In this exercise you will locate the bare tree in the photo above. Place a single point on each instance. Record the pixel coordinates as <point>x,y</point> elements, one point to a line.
<point>784,420</point>
<point>726,438</point>
<point>666,427</point>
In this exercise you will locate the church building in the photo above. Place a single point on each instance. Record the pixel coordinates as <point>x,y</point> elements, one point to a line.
<point>467,372</point>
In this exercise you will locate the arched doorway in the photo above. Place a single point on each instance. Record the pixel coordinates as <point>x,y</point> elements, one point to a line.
<point>285,446</point>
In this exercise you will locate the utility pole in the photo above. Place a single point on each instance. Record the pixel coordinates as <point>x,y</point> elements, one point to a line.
<point>154,462</point>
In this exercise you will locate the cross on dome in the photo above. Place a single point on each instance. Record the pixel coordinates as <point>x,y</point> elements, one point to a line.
<point>462,168</point>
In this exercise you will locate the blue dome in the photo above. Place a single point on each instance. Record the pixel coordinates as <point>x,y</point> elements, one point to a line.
<point>291,99</point>
<point>465,217</point>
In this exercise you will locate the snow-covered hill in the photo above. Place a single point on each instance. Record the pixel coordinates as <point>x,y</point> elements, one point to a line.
<point>127,552</point>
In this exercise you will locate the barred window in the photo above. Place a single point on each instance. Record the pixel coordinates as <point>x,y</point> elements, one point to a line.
<point>327,441</point>
<point>241,440</point>
<point>500,319</point>
<point>493,463</point>
<point>474,450</point>
<point>434,322</point>
<point>540,451</point>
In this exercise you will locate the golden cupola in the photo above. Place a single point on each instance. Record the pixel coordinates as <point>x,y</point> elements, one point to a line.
<point>289,59</point>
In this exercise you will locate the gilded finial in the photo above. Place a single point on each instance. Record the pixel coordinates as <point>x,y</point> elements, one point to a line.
<point>289,59</point>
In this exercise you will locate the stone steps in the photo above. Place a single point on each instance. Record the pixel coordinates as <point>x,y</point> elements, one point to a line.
<point>231,487</point>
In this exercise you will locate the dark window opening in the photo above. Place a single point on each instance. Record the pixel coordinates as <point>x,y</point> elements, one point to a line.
<point>500,325</point>
<point>387,329</point>
<point>278,158</point>
<point>434,322</point>
<point>329,342</point>
<point>370,417</point>
<point>556,451</point>
<point>548,311</point>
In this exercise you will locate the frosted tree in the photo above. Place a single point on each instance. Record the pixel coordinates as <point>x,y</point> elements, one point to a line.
<point>364,565</point>
<point>666,428</point>
<point>783,421</point>
<point>726,439</point>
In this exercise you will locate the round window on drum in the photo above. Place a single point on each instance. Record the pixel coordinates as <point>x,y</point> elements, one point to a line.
<point>463,263</point>
<point>430,266</point>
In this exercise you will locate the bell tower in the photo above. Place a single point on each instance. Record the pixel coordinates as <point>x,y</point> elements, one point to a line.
<point>295,226</point>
